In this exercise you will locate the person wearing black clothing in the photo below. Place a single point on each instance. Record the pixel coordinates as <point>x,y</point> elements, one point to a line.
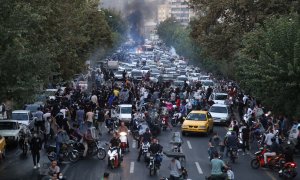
<point>274,149</point>
<point>245,138</point>
<point>289,154</point>
<point>154,149</point>
<point>147,137</point>
<point>236,128</point>
<point>35,147</point>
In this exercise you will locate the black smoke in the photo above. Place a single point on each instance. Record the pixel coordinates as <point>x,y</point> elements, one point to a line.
<point>137,12</point>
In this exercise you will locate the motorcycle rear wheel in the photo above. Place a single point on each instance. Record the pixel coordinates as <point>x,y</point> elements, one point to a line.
<point>73,156</point>
<point>255,164</point>
<point>101,154</point>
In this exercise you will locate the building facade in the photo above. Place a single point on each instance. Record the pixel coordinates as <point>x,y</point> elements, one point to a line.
<point>179,9</point>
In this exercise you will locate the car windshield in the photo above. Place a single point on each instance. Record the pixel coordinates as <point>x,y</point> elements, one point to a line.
<point>221,97</point>
<point>20,116</point>
<point>145,68</point>
<point>181,78</point>
<point>208,83</point>
<point>178,83</point>
<point>126,110</point>
<point>217,109</point>
<point>196,117</point>
<point>136,73</point>
<point>8,125</point>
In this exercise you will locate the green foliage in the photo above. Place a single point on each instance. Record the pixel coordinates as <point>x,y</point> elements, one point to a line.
<point>268,65</point>
<point>45,39</point>
<point>173,34</point>
<point>221,23</point>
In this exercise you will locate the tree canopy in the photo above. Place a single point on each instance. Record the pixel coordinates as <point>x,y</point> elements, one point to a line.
<point>45,39</point>
<point>268,65</point>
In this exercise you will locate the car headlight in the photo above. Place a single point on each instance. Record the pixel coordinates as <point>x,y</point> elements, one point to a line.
<point>184,126</point>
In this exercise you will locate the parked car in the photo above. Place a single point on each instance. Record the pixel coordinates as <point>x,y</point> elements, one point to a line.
<point>24,117</point>
<point>220,113</point>
<point>198,122</point>
<point>9,129</point>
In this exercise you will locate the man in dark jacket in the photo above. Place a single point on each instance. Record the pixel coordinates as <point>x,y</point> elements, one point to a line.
<point>35,147</point>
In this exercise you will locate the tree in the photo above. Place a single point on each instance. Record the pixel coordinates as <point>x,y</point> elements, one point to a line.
<point>45,39</point>
<point>221,23</point>
<point>269,64</point>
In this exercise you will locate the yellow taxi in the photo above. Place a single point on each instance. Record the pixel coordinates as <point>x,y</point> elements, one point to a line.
<point>198,122</point>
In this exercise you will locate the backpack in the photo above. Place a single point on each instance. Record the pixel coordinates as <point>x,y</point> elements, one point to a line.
<point>62,137</point>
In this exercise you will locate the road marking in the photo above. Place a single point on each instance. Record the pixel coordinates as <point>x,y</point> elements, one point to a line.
<point>199,168</point>
<point>131,167</point>
<point>189,144</point>
<point>133,143</point>
<point>270,175</point>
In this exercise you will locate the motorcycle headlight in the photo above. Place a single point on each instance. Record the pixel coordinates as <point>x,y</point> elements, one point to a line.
<point>123,134</point>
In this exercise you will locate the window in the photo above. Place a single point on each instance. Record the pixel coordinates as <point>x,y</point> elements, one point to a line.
<point>126,110</point>
<point>8,125</point>
<point>221,97</point>
<point>196,117</point>
<point>20,116</point>
<point>217,109</point>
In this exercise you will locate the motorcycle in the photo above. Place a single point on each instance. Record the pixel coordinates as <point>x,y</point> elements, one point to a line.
<point>123,139</point>
<point>113,157</point>
<point>24,142</point>
<point>272,162</point>
<point>288,170</point>
<point>145,150</point>
<point>233,155</point>
<point>164,122</point>
<point>176,119</point>
<point>94,148</point>
<point>67,152</point>
<point>154,164</point>
<point>112,124</point>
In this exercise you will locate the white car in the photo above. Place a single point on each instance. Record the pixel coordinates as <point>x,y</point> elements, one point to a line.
<point>145,69</point>
<point>10,130</point>
<point>219,98</point>
<point>119,74</point>
<point>24,117</point>
<point>123,112</point>
<point>220,113</point>
<point>207,83</point>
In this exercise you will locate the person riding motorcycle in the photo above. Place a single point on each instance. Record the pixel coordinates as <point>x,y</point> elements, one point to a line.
<point>231,142</point>
<point>274,149</point>
<point>154,149</point>
<point>216,168</point>
<point>115,143</point>
<point>146,137</point>
<point>123,128</point>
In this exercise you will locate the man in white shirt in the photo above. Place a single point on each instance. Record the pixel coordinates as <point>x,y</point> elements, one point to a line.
<point>269,137</point>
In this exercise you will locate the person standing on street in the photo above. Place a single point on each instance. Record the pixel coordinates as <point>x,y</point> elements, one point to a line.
<point>175,169</point>
<point>35,147</point>
<point>89,118</point>
<point>245,138</point>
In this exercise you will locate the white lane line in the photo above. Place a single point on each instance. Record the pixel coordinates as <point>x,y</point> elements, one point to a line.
<point>199,168</point>
<point>131,167</point>
<point>189,144</point>
<point>133,143</point>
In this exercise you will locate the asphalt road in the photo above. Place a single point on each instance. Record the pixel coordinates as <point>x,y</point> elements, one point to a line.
<point>17,167</point>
